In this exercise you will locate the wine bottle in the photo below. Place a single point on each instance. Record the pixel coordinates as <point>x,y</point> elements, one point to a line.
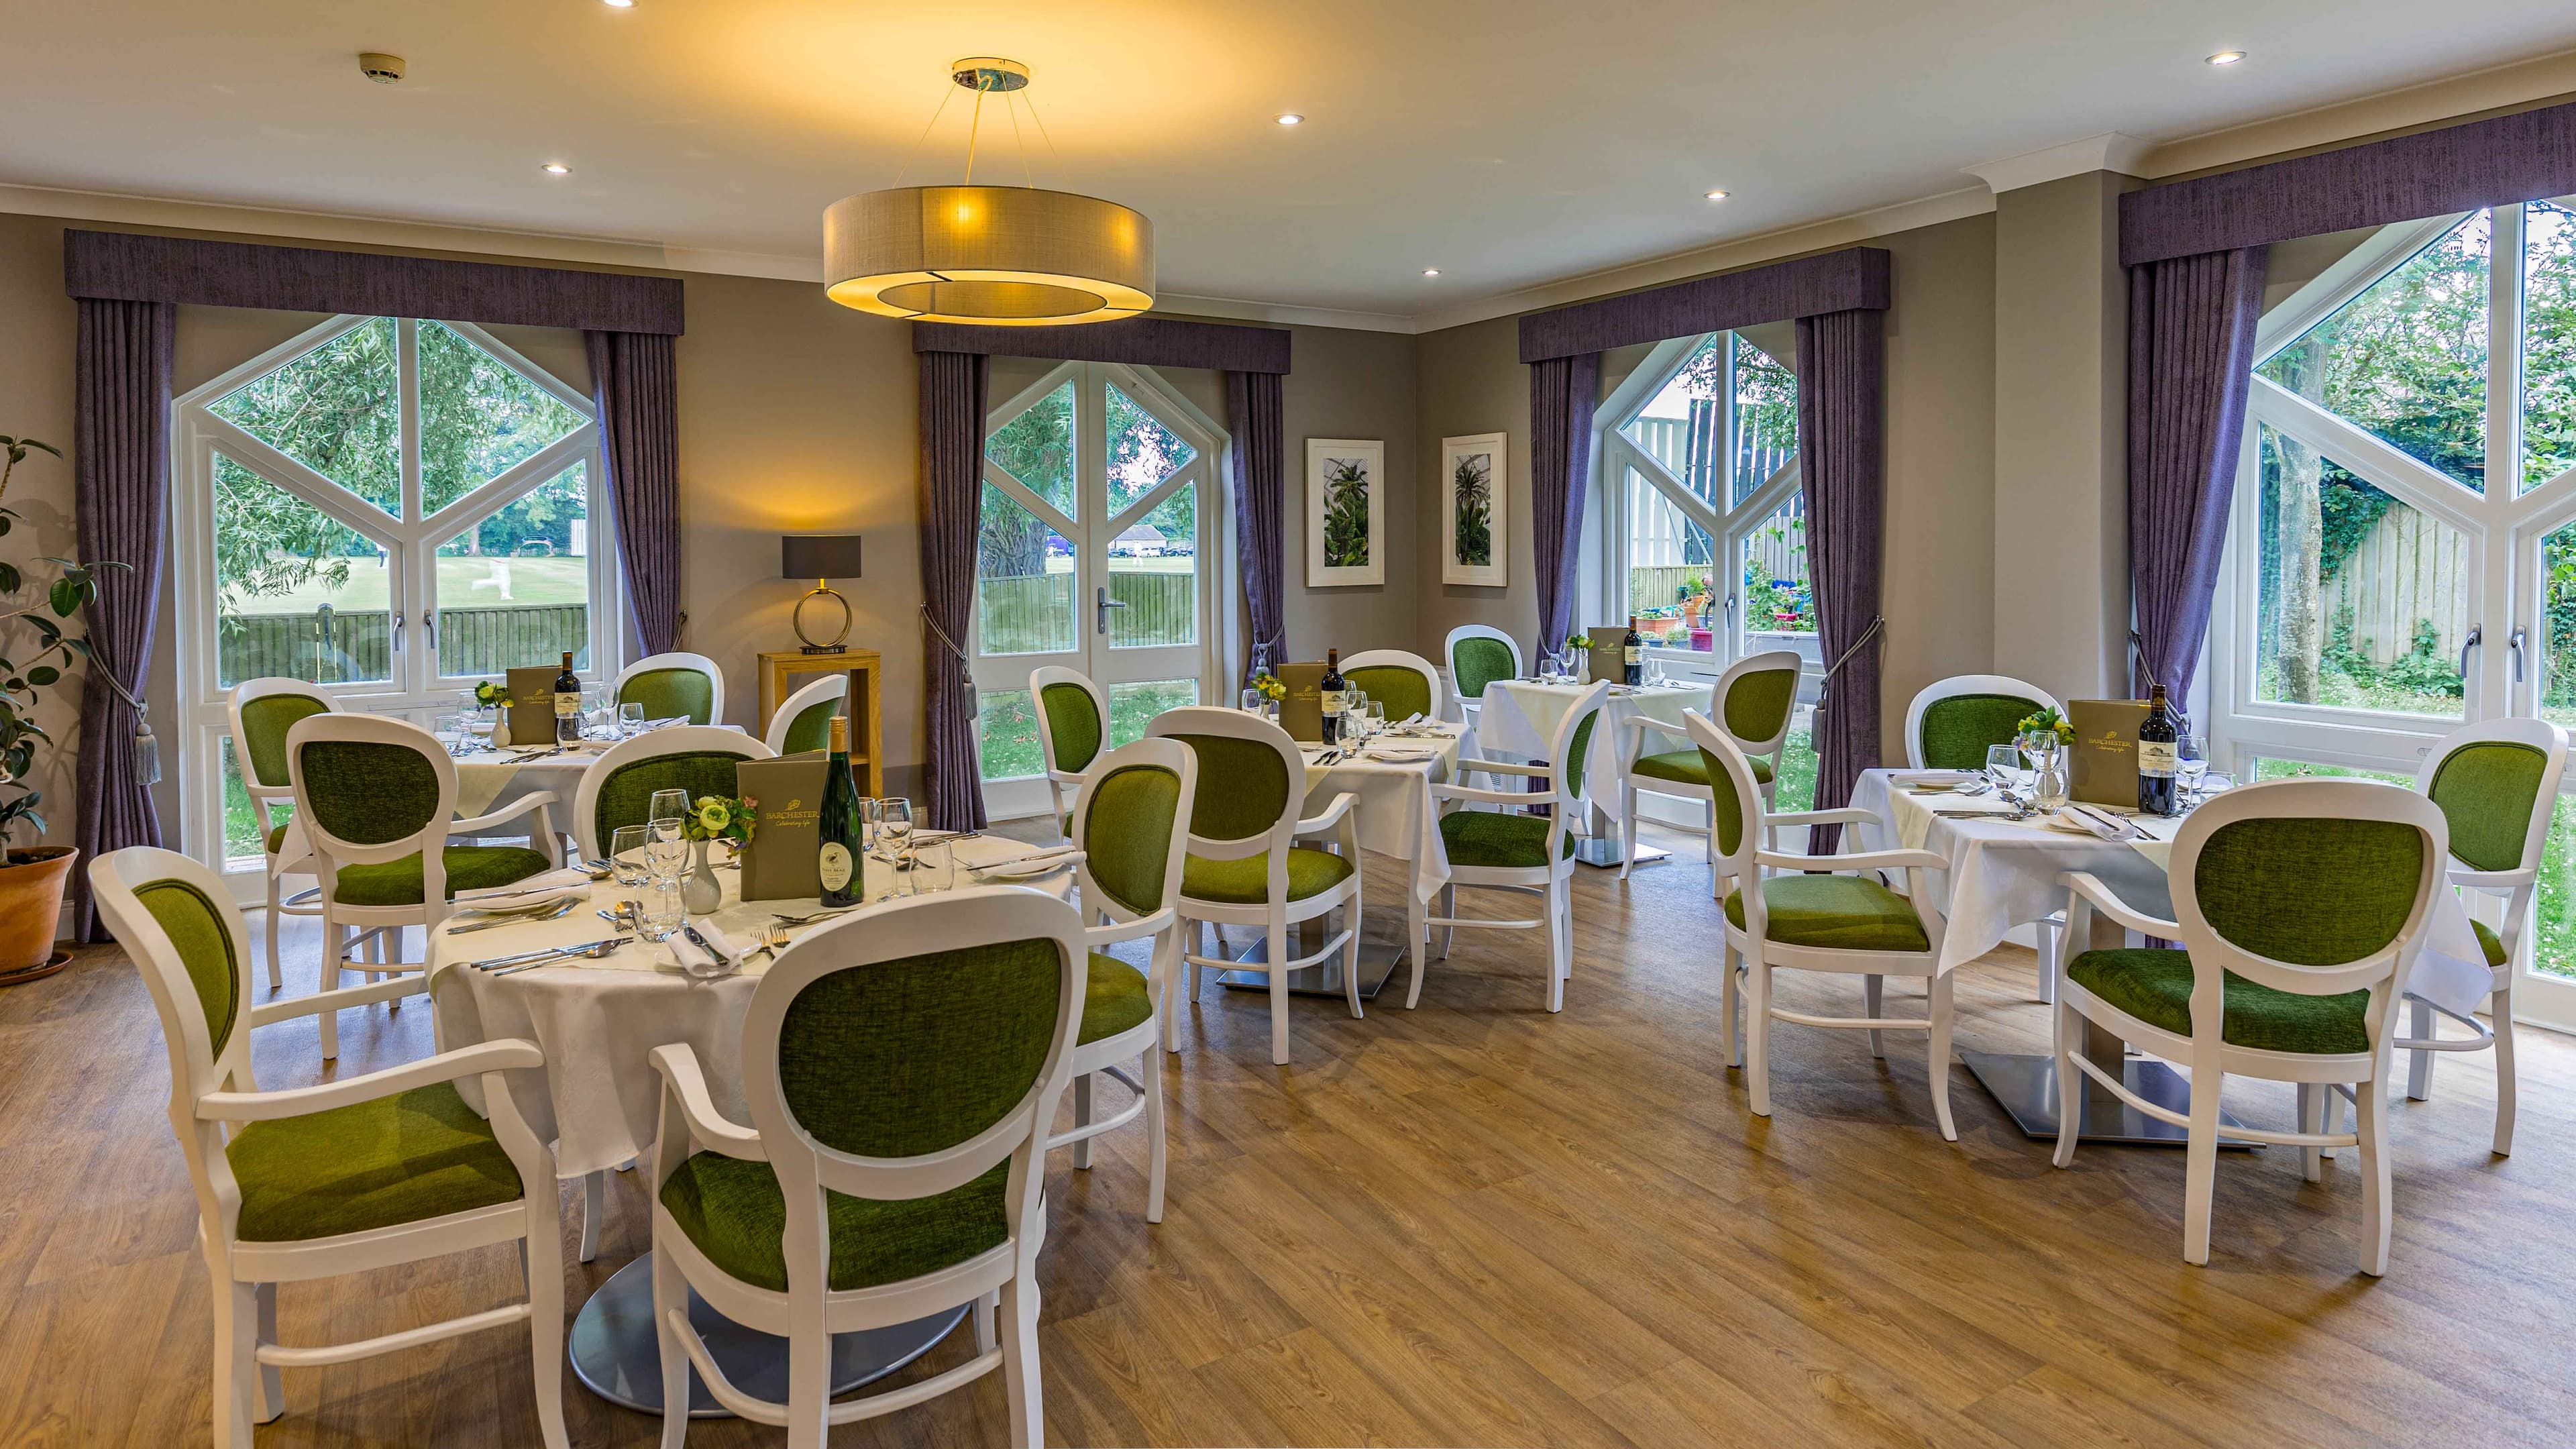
<point>2156,755</point>
<point>1632,656</point>
<point>839,826</point>
<point>1335,697</point>
<point>567,705</point>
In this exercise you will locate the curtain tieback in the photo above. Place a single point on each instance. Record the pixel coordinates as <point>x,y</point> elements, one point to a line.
<point>147,746</point>
<point>974,702</point>
<point>2146,666</point>
<point>1876,623</point>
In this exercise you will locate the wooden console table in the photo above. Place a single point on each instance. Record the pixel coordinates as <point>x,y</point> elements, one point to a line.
<point>779,671</point>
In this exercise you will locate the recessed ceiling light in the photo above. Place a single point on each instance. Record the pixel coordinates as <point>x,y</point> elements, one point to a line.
<point>1717,196</point>
<point>2227,57</point>
<point>1431,271</point>
<point>1291,118</point>
<point>619,4</point>
<point>557,168</point>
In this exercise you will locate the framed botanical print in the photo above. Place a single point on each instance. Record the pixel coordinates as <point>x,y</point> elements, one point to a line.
<point>1345,512</point>
<point>1473,516</point>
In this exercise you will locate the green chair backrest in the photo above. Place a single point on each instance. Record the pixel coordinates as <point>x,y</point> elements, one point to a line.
<point>1757,705</point>
<point>264,723</point>
<point>196,927</point>
<point>1127,837</point>
<point>2487,792</point>
<point>1958,731</point>
<point>811,730</point>
<point>2310,891</point>
<point>369,792</point>
<point>1726,806</point>
<point>1403,691</point>
<point>1577,751</point>
<point>626,796</point>
<point>1251,787</point>
<point>905,1057</point>
<point>1073,723</point>
<point>1477,661</point>
<point>670,692</point>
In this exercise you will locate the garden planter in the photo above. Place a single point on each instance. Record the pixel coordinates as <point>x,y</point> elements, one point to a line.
<point>31,905</point>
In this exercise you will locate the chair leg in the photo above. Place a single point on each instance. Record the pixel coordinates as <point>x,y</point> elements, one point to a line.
<point>986,1309</point>
<point>1417,945</point>
<point>1873,990</point>
<point>809,1382</point>
<point>1351,959</point>
<point>1559,945</point>
<point>1278,939</point>
<point>1082,1119</point>
<point>1757,1031</point>
<point>2052,940</point>
<point>2312,1118</point>
<point>2500,1011</point>
<point>594,1209</point>
<point>1939,993</point>
<point>2200,1162</point>
<point>1020,1380</point>
<point>2070,1086</point>
<point>1627,829</point>
<point>1448,911</point>
<point>543,1249</point>
<point>237,1379</point>
<point>1726,1007</point>
<point>1156,1150</point>
<point>2419,1064</point>
<point>2372,1115</point>
<point>272,1386</point>
<point>335,948</point>
<point>671,1295</point>
<point>276,975</point>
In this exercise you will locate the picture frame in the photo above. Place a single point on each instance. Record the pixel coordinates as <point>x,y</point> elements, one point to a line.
<point>1475,512</point>
<point>1345,512</point>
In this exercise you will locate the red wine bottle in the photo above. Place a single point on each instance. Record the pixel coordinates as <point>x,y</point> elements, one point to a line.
<point>567,705</point>
<point>2156,739</point>
<point>1632,656</point>
<point>1335,696</point>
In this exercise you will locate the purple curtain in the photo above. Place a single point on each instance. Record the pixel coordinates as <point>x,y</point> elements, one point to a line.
<point>121,486</point>
<point>2191,358</point>
<point>635,382</point>
<point>1562,393</point>
<point>953,385</point>
<point>1256,413</point>
<point>1841,369</point>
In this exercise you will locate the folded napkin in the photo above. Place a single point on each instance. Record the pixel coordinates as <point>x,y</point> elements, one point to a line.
<point>524,892</point>
<point>2100,822</point>
<point>697,961</point>
<point>1932,777</point>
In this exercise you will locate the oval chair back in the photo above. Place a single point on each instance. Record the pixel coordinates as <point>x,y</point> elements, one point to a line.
<point>1952,721</point>
<point>1265,786</point>
<point>1756,698</point>
<point>618,790</point>
<point>1570,753</point>
<point>1073,729</point>
<point>1734,813</point>
<point>674,684</point>
<point>1133,824</point>
<point>370,789</point>
<point>1406,683</point>
<point>262,711</point>
<point>804,722</point>
<point>1479,654</point>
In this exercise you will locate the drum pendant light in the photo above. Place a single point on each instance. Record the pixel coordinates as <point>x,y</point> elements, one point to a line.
<point>1013,256</point>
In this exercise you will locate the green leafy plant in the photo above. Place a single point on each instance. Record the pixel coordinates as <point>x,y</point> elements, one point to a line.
<point>2049,720</point>
<point>22,681</point>
<point>1346,513</point>
<point>1270,686</point>
<point>1473,484</point>
<point>723,817</point>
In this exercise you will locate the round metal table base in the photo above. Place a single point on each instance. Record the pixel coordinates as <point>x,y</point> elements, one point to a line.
<point>617,1355</point>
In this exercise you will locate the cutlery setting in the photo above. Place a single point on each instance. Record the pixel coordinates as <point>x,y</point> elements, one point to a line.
<point>519,917</point>
<point>588,950</point>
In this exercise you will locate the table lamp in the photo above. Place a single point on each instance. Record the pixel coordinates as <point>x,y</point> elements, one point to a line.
<point>821,557</point>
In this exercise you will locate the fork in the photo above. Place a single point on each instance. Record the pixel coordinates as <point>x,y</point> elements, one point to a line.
<point>596,950</point>
<point>812,917</point>
<point>520,919</point>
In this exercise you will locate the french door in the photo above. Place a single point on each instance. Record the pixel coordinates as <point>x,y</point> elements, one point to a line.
<point>1097,549</point>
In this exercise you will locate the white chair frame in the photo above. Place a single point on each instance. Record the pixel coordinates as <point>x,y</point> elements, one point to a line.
<point>2516,888</point>
<point>1062,782</point>
<point>669,740</point>
<point>292,852</point>
<point>1750,949</point>
<point>810,1311</point>
<point>1405,659</point>
<point>830,686</point>
<point>680,659</point>
<point>330,852</point>
<point>1105,1056</point>
<point>1951,688</point>
<point>2319,1076</point>
<point>210,1089</point>
<point>1632,747</point>
<point>1276,914</point>
<point>1552,883</point>
<point>1471,708</point>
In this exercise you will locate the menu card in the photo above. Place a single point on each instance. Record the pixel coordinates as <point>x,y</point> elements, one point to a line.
<point>1301,713</point>
<point>531,707</point>
<point>2105,768</point>
<point>1610,653</point>
<point>783,862</point>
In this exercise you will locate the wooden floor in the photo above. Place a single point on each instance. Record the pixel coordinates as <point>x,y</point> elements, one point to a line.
<point>1471,1224</point>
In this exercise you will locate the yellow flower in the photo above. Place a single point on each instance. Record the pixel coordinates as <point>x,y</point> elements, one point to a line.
<point>713,816</point>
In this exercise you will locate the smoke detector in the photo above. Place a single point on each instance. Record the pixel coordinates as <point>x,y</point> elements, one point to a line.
<point>379,67</point>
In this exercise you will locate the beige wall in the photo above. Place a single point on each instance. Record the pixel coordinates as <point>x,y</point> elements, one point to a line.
<point>36,402</point>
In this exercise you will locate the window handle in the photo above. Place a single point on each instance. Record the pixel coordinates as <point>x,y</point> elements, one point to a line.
<point>2477,636</point>
<point>2514,642</point>
<point>429,622</point>
<point>398,623</point>
<point>1105,604</point>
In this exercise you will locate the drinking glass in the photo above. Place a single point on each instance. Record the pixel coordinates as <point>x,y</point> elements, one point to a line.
<point>626,846</point>
<point>479,726</point>
<point>2191,766</point>
<point>2002,763</point>
<point>894,828</point>
<point>934,868</point>
<point>450,729</point>
<point>1376,718</point>
<point>630,720</point>
<point>668,805</point>
<point>1253,699</point>
<point>661,914</point>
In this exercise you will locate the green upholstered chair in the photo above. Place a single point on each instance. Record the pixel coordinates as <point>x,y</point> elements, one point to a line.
<point>2300,905</point>
<point>1827,913</point>
<point>1755,699</point>
<point>262,711</point>
<point>1406,683</point>
<point>672,685</point>
<point>618,790</point>
<point>1953,721</point>
<point>351,1176</point>
<point>375,799</point>
<point>804,722</point>
<point>900,1067</point>
<point>1479,654</point>
<point>1244,866</point>
<point>2496,784</point>
<point>1133,822</point>
<point>1073,728</point>
<point>1506,848</point>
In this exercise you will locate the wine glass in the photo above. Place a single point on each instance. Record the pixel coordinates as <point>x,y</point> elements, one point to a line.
<point>2191,766</point>
<point>450,730</point>
<point>894,829</point>
<point>2002,763</point>
<point>630,720</point>
<point>1376,718</point>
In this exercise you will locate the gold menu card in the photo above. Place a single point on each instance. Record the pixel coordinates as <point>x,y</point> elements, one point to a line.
<point>532,706</point>
<point>2105,768</point>
<point>783,862</point>
<point>1301,713</point>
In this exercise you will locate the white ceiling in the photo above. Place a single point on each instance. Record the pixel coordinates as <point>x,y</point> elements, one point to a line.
<point>1506,142</point>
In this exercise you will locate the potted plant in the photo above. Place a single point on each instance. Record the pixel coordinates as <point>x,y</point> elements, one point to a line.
<point>32,877</point>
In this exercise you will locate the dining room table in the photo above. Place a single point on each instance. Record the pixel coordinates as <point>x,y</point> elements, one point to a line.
<point>2006,868</point>
<point>598,1098</point>
<point>1519,722</point>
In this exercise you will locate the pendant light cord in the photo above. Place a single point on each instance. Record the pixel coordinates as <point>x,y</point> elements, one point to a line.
<point>974,128</point>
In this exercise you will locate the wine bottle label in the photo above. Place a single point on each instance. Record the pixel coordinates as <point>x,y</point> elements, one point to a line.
<point>2155,759</point>
<point>567,705</point>
<point>1335,701</point>
<point>835,865</point>
<point>1636,654</point>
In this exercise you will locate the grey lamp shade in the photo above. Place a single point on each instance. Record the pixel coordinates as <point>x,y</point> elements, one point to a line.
<point>818,555</point>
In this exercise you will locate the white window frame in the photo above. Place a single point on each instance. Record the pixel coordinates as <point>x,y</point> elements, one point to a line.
<point>418,687</point>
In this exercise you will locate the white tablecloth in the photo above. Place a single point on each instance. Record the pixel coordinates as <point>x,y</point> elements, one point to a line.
<point>489,779</point>
<point>598,1021</point>
<point>1394,810</point>
<point>1521,717</point>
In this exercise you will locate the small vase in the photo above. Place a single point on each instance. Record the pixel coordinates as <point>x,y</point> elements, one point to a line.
<point>700,894</point>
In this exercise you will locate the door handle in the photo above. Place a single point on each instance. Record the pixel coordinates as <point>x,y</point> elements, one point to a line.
<point>397,644</point>
<point>1104,604</point>
<point>2477,636</point>
<point>2514,642</point>
<point>429,621</point>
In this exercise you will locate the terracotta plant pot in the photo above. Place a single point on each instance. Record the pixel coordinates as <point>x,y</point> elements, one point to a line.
<point>31,904</point>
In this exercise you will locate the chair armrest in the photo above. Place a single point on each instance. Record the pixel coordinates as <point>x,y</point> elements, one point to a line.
<point>684,1085</point>
<point>1065,777</point>
<point>1504,767</point>
<point>2101,897</point>
<point>1491,797</point>
<point>1845,816</point>
<point>2494,880</point>
<point>1129,930</point>
<point>1333,813</point>
<point>1644,722</point>
<point>1866,860</point>
<point>512,811</point>
<point>506,1054</point>
<point>269,1013</point>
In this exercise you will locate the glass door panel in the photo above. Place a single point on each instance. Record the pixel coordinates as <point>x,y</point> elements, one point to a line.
<point>298,592</point>
<point>514,590</point>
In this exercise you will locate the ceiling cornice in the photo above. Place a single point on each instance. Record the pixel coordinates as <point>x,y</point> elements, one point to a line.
<point>2111,151</point>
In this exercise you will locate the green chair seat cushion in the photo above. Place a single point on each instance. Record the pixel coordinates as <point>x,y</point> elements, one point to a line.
<point>1246,882</point>
<point>736,1214</point>
<point>1502,842</point>
<point>469,867</point>
<point>2489,941</point>
<point>1690,767</point>
<point>1114,1000</point>
<point>1835,913</point>
<point>2155,987</point>
<point>400,1159</point>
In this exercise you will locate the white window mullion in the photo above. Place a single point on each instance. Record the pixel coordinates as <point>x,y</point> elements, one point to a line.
<point>2499,693</point>
<point>414,666</point>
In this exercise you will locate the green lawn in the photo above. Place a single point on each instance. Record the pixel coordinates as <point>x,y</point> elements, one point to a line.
<point>463,583</point>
